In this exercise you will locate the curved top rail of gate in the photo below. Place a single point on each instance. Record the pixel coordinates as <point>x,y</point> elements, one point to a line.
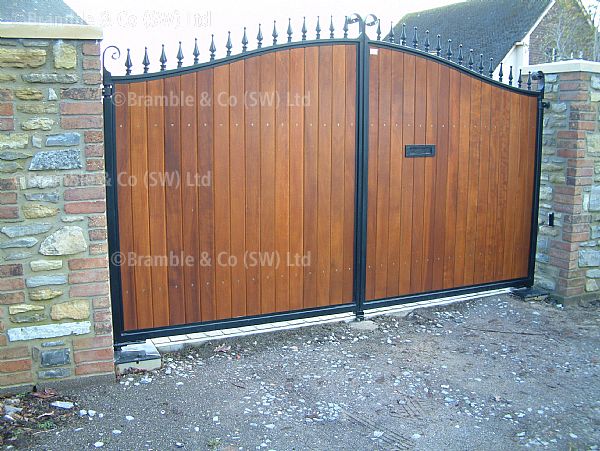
<point>443,52</point>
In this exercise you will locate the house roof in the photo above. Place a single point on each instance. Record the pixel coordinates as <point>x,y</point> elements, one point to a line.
<point>38,11</point>
<point>490,27</point>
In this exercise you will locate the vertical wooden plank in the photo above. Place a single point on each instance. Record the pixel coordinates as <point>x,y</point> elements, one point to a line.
<point>441,177</point>
<point>396,163</point>
<point>311,133</point>
<point>484,210</point>
<point>408,137</point>
<point>416,279</point>
<point>373,182</point>
<point>502,187</point>
<point>253,204</point>
<point>189,196</point>
<point>462,180</point>
<point>205,164</point>
<point>324,174</point>
<point>156,203</point>
<point>237,180</point>
<point>383,171</point>
<point>222,192</point>
<point>430,180</point>
<point>491,239</point>
<point>296,180</point>
<point>123,160</point>
<point>282,169</point>
<point>452,182</point>
<point>267,182</point>
<point>473,181</point>
<point>349,171</point>
<point>338,98</point>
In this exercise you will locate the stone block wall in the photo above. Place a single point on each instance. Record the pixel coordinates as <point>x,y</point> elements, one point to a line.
<point>568,254</point>
<point>55,318</point>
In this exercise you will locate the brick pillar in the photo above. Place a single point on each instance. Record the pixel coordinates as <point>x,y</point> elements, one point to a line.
<point>55,319</point>
<point>568,257</point>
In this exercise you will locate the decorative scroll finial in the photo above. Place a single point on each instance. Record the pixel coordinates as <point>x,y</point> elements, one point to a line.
<point>179,56</point>
<point>244,41</point>
<point>289,30</point>
<point>128,64</point>
<point>369,21</point>
<point>146,61</point>
<point>163,59</point>
<point>427,43</point>
<point>331,28</point>
<point>274,34</point>
<point>212,47</point>
<point>228,45</point>
<point>318,29</point>
<point>304,30</point>
<point>115,55</point>
<point>259,36</point>
<point>196,51</point>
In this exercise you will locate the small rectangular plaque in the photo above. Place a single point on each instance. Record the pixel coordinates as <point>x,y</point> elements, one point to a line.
<point>419,150</point>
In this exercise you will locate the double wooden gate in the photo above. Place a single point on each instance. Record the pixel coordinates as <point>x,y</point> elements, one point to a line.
<point>314,177</point>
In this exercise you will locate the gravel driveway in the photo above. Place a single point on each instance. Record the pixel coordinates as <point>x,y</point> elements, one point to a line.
<point>495,373</point>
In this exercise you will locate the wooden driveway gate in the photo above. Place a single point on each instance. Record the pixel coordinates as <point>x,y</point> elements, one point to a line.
<point>313,177</point>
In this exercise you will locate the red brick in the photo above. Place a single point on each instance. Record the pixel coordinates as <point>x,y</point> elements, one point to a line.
<point>12,366</point>
<point>97,235</point>
<point>580,172</point>
<point>567,153</point>
<point>577,219</point>
<point>9,212</point>
<point>85,193</point>
<point>573,95</point>
<point>8,184</point>
<point>573,76</point>
<point>93,355</point>
<point>576,237</point>
<point>576,85</point>
<point>578,181</point>
<point>102,315</point>
<point>6,94</point>
<point>562,263</point>
<point>8,198</point>
<point>7,124</point>
<point>90,48</point>
<point>97,221</point>
<point>583,125</point>
<point>80,108</point>
<point>78,122</point>
<point>81,93</point>
<point>15,379</point>
<point>16,352</point>
<point>102,341</point>
<point>12,298</point>
<point>87,263</point>
<point>3,341</point>
<point>570,283</point>
<point>94,368</point>
<point>6,109</point>
<point>98,248</point>
<point>11,284</point>
<point>92,78</point>
<point>581,163</point>
<point>94,150</point>
<point>582,116</point>
<point>103,328</point>
<point>563,254</point>
<point>568,208</point>
<point>12,270</point>
<point>83,180</point>
<point>569,292</point>
<point>95,164</point>
<point>570,134</point>
<point>583,106</point>
<point>566,199</point>
<point>95,289</point>
<point>98,206</point>
<point>91,63</point>
<point>568,190</point>
<point>570,247</point>
<point>93,136</point>
<point>88,276</point>
<point>101,303</point>
<point>576,228</point>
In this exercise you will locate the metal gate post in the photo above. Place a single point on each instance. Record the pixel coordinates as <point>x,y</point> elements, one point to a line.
<point>362,160</point>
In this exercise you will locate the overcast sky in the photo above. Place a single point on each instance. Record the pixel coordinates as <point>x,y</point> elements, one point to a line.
<point>135,24</point>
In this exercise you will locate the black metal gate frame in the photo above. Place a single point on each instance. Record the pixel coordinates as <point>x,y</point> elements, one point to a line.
<point>358,305</point>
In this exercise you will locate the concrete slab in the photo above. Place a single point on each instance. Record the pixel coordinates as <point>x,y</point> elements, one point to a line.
<point>139,356</point>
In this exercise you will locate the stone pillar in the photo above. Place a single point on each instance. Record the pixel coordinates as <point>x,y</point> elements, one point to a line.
<point>568,256</point>
<point>55,319</point>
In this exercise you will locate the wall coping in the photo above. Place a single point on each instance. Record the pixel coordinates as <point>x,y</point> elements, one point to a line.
<point>559,67</point>
<point>49,31</point>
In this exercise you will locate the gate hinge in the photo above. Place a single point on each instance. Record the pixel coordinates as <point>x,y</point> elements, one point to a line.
<point>108,91</point>
<point>545,104</point>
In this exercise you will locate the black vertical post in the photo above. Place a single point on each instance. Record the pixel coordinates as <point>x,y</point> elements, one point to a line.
<point>540,77</point>
<point>362,159</point>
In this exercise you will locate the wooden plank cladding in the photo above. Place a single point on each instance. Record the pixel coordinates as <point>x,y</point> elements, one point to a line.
<point>463,216</point>
<point>236,187</point>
